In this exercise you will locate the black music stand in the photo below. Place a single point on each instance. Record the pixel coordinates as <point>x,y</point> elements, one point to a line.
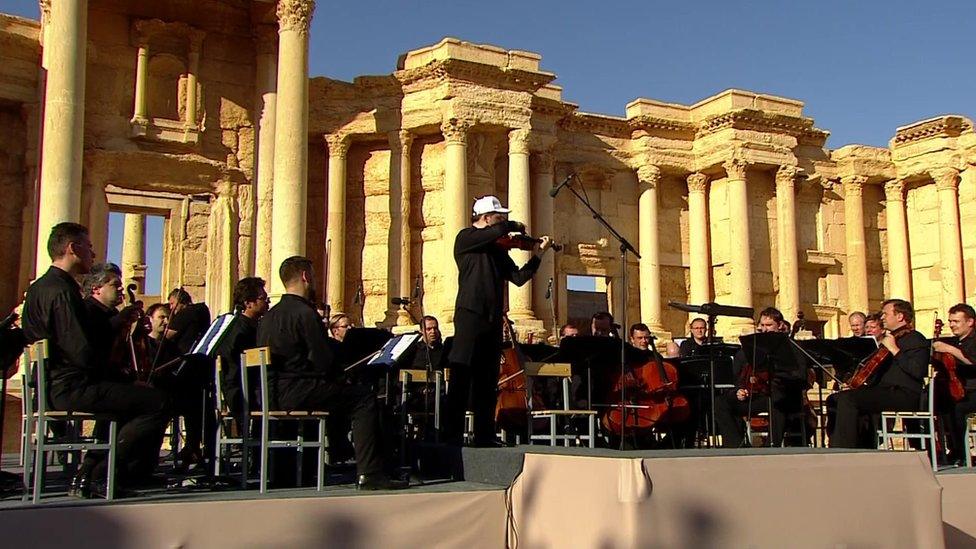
<point>713,310</point>
<point>595,354</point>
<point>782,361</point>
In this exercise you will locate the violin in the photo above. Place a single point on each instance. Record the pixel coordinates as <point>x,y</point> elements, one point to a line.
<point>519,241</point>
<point>948,383</point>
<point>652,398</point>
<point>512,406</point>
<point>866,372</point>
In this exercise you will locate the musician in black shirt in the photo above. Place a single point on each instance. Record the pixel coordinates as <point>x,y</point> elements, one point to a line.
<point>785,393</point>
<point>693,344</point>
<point>483,269</point>
<point>188,320</point>
<point>962,347</point>
<point>102,288</point>
<point>900,386</point>
<point>429,348</point>
<point>250,304</point>
<point>54,310</point>
<point>306,376</point>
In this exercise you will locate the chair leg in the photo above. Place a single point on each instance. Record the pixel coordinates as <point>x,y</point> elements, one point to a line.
<point>300,451</point>
<point>263,480</point>
<point>591,422</point>
<point>320,474</point>
<point>28,452</point>
<point>552,430</point>
<point>112,448</point>
<point>39,456</point>
<point>245,451</point>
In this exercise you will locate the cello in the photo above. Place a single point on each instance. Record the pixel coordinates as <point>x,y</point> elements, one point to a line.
<point>653,398</point>
<point>512,406</point>
<point>948,383</point>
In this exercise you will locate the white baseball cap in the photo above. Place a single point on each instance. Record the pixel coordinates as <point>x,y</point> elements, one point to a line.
<point>489,204</point>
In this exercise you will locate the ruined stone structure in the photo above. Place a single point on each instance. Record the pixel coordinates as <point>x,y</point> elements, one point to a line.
<point>203,112</point>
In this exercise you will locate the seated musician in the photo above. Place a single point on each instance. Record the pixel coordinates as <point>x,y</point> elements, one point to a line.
<point>874,327</point>
<point>339,326</point>
<point>188,320</point>
<point>54,310</point>
<point>430,347</point>
<point>856,321</point>
<point>962,347</point>
<point>602,325</point>
<point>900,385</point>
<point>568,330</point>
<point>640,336</point>
<point>785,394</point>
<point>250,304</point>
<point>306,376</point>
<point>697,337</point>
<point>158,315</point>
<point>102,288</point>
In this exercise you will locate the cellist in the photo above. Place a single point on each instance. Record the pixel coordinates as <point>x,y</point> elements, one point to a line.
<point>107,327</point>
<point>752,397</point>
<point>900,385</point>
<point>962,347</point>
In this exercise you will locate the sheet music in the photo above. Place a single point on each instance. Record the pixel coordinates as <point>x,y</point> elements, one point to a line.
<point>394,349</point>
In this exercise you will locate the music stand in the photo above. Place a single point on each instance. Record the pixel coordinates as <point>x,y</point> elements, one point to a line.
<point>592,352</point>
<point>711,311</point>
<point>781,359</point>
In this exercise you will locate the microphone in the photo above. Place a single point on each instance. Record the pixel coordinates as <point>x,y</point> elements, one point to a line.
<point>401,301</point>
<point>555,190</point>
<point>549,289</point>
<point>359,295</point>
<point>416,288</point>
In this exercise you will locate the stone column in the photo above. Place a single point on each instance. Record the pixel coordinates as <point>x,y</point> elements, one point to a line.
<point>857,268</point>
<point>266,65</point>
<point>947,183</point>
<point>789,269</point>
<point>899,260</point>
<point>222,239</point>
<point>291,136</point>
<point>740,252</point>
<point>193,68</point>
<point>648,178</point>
<point>134,252</point>
<point>401,142</point>
<point>64,115</point>
<point>335,228</point>
<point>140,113</point>
<point>520,202</point>
<point>541,164</point>
<point>457,207</point>
<point>700,266</point>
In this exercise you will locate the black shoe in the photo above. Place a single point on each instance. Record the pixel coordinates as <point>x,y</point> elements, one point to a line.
<point>80,486</point>
<point>380,482</point>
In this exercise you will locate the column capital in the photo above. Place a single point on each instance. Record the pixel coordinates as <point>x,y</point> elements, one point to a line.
<point>518,141</point>
<point>195,39</point>
<point>735,167</point>
<point>945,178</point>
<point>400,140</point>
<point>542,161</point>
<point>266,39</point>
<point>895,190</point>
<point>786,176</point>
<point>338,144</point>
<point>455,130</point>
<point>697,182</point>
<point>45,6</point>
<point>295,15</point>
<point>853,184</point>
<point>649,174</point>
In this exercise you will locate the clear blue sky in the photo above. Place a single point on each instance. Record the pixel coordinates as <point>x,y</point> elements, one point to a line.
<point>863,68</point>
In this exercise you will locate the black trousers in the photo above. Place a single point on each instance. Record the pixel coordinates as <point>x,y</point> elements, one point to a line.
<point>142,415</point>
<point>957,430</point>
<point>356,402</point>
<point>474,382</point>
<point>853,405</point>
<point>729,411</point>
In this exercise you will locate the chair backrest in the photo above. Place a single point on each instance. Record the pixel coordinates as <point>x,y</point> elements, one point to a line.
<point>258,357</point>
<point>548,369</point>
<point>36,355</point>
<point>420,376</point>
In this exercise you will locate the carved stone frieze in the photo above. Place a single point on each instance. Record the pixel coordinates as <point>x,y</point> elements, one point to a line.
<point>295,15</point>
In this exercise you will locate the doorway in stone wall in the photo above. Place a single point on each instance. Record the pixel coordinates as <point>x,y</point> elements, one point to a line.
<point>585,296</point>
<point>152,251</point>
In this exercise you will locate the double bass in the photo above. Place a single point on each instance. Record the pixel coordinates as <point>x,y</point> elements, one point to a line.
<point>948,383</point>
<point>652,396</point>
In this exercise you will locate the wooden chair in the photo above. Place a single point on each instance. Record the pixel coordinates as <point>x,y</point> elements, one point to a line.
<point>260,358</point>
<point>40,443</point>
<point>893,424</point>
<point>562,371</point>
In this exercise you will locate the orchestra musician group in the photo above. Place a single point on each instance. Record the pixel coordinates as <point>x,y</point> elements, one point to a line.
<point>131,363</point>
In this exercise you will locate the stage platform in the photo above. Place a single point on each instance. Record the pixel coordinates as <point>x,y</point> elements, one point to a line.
<point>555,497</point>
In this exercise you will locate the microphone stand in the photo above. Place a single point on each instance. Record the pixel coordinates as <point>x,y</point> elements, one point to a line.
<point>625,248</point>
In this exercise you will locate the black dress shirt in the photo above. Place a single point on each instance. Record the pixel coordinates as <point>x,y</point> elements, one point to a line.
<point>102,326</point>
<point>484,267</point>
<point>910,366</point>
<point>189,324</point>
<point>54,310</point>
<point>300,351</point>
<point>689,347</point>
<point>966,372</point>
<point>242,335</point>
<point>436,352</point>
